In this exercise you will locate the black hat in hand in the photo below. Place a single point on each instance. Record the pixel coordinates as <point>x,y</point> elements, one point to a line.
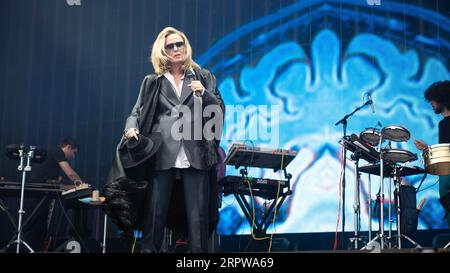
<point>135,152</point>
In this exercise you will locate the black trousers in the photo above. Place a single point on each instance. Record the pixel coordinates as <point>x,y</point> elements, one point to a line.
<point>196,195</point>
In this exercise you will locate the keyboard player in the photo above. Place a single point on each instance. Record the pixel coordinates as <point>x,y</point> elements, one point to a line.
<point>48,218</point>
<point>57,161</point>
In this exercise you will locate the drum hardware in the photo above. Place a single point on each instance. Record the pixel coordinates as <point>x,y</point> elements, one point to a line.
<point>344,122</point>
<point>369,206</point>
<point>390,220</point>
<point>12,151</point>
<point>355,145</point>
<point>385,162</point>
<point>380,234</point>
<point>360,150</point>
<point>391,157</point>
<point>397,182</point>
<point>390,207</point>
<point>358,145</point>
<point>391,171</point>
<point>357,202</point>
<point>28,153</point>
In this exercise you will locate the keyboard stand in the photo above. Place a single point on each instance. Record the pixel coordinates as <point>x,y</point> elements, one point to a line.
<point>30,216</point>
<point>259,227</point>
<point>242,156</point>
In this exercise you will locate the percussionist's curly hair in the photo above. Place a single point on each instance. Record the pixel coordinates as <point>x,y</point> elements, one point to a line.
<point>439,92</point>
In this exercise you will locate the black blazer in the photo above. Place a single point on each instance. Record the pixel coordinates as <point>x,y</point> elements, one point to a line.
<point>178,119</point>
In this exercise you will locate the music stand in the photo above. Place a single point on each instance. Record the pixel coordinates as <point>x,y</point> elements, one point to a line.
<point>21,152</point>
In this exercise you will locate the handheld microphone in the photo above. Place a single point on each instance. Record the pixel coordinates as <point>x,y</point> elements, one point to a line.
<point>371,103</point>
<point>192,77</point>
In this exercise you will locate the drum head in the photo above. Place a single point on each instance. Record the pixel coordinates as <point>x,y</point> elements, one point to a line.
<point>399,155</point>
<point>371,136</point>
<point>396,133</point>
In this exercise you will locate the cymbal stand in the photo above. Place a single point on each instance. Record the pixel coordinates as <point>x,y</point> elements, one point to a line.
<point>390,204</point>
<point>389,213</point>
<point>380,235</point>
<point>357,203</point>
<point>22,154</point>
<point>397,186</point>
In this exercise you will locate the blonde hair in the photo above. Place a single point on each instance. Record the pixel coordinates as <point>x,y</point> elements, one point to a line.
<point>160,59</point>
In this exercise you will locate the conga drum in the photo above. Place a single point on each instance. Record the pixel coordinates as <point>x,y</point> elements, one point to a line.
<point>436,159</point>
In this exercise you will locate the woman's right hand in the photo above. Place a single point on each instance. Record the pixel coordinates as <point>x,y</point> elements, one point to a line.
<point>420,145</point>
<point>132,132</point>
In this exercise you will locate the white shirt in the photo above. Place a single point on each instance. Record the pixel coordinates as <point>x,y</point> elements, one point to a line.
<point>181,161</point>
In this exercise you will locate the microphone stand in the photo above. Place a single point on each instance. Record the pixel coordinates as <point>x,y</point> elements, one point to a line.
<point>344,128</point>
